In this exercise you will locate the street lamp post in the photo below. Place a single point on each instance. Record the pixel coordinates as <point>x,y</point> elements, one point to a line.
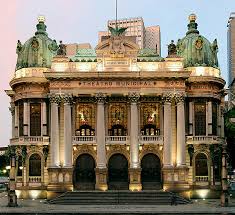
<point>12,198</point>
<point>224,194</point>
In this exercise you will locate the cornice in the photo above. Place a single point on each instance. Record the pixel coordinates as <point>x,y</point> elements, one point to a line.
<point>38,80</point>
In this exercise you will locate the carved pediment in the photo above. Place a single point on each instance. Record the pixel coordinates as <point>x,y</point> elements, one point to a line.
<point>117,46</point>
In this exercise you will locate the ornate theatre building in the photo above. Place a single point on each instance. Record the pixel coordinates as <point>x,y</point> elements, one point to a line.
<point>116,117</point>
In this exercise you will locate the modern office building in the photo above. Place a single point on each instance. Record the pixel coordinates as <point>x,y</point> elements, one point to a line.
<point>145,37</point>
<point>117,116</point>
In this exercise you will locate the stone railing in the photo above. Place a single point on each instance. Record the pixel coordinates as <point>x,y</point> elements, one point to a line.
<point>35,179</point>
<point>204,139</point>
<point>151,139</point>
<point>84,139</point>
<point>30,140</point>
<point>201,178</point>
<point>117,139</point>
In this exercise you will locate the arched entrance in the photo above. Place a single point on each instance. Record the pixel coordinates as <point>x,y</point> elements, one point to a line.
<point>118,172</point>
<point>84,173</point>
<point>151,172</point>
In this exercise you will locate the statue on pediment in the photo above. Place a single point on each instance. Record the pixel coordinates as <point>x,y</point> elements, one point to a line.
<point>116,44</point>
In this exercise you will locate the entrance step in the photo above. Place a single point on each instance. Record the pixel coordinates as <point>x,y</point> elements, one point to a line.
<point>157,197</point>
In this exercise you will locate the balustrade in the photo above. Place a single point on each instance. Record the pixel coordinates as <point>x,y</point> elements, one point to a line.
<point>151,139</point>
<point>30,140</point>
<point>35,179</point>
<point>203,139</point>
<point>117,139</point>
<point>201,178</point>
<point>84,139</point>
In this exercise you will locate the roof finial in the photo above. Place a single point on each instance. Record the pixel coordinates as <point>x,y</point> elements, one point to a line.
<point>41,18</point>
<point>192,17</point>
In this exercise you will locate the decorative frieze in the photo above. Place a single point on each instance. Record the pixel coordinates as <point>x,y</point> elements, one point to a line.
<point>133,97</point>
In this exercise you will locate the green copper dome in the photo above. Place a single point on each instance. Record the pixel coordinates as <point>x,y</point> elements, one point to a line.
<point>38,51</point>
<point>196,49</point>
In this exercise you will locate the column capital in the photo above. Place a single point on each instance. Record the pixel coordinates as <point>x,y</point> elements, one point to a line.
<point>179,97</point>
<point>67,99</point>
<point>168,97</point>
<point>55,98</point>
<point>133,97</point>
<point>100,97</point>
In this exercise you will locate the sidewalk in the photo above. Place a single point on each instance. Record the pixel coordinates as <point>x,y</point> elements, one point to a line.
<point>41,207</point>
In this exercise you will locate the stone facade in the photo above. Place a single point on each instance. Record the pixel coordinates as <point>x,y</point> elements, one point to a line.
<point>116,123</point>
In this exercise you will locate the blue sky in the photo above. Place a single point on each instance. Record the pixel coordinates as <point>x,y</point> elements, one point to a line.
<point>80,20</point>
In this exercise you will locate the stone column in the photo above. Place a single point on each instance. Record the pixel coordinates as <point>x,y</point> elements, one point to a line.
<point>54,130</point>
<point>44,119</point>
<point>209,117</point>
<point>180,158</point>
<point>67,99</point>
<point>12,110</point>
<point>16,133</point>
<point>167,149</point>
<point>25,118</point>
<point>134,143</point>
<point>222,121</point>
<point>101,170</point>
<point>191,118</point>
<point>135,170</point>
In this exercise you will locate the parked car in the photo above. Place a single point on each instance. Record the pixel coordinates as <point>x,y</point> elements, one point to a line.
<point>231,187</point>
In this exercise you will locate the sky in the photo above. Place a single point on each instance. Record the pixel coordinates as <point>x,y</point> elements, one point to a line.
<point>78,21</point>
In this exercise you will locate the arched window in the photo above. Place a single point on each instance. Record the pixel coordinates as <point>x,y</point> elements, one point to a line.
<point>201,168</point>
<point>35,165</point>
<point>20,166</point>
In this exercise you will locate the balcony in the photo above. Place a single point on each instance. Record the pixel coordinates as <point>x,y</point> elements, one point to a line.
<point>117,139</point>
<point>204,140</point>
<point>151,139</point>
<point>201,178</point>
<point>84,139</point>
<point>30,140</point>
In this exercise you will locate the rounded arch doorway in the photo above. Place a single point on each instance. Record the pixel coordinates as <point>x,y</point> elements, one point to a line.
<point>151,176</point>
<point>118,173</point>
<point>84,173</point>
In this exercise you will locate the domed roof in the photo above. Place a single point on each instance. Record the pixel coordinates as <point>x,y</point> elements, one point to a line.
<point>196,49</point>
<point>38,51</point>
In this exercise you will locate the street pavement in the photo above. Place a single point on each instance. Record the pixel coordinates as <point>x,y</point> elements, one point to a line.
<point>199,206</point>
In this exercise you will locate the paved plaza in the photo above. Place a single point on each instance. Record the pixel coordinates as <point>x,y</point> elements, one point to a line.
<point>41,207</point>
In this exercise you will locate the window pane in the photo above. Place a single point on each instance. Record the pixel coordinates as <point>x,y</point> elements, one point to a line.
<point>35,165</point>
<point>85,119</point>
<point>35,119</point>
<point>200,118</point>
<point>201,165</point>
<point>21,122</point>
<point>214,118</point>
